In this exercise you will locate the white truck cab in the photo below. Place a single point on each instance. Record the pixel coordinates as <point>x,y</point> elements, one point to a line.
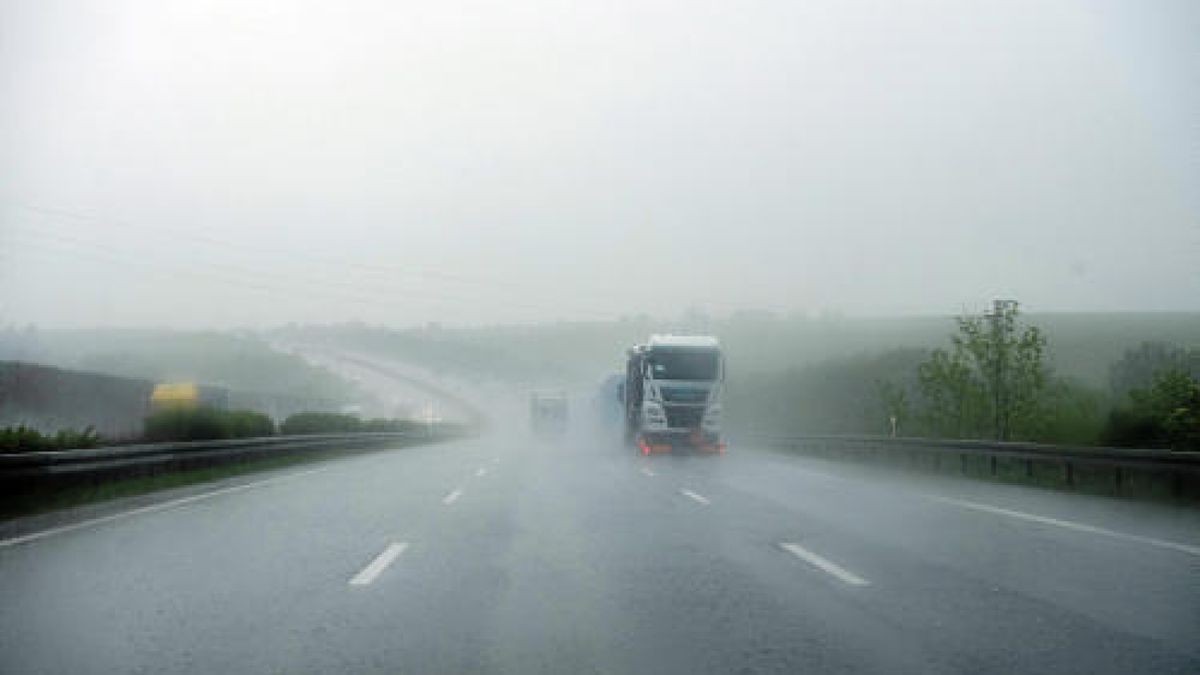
<point>672,394</point>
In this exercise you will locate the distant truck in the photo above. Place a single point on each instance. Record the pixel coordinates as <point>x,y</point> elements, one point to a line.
<point>548,412</point>
<point>672,394</point>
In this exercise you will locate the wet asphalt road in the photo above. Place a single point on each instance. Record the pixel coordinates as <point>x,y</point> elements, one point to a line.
<point>512,554</point>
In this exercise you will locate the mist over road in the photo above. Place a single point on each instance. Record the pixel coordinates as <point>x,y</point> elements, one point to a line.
<point>396,389</point>
<point>513,553</point>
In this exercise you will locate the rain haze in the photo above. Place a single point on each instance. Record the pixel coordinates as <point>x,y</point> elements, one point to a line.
<point>656,336</point>
<point>224,164</point>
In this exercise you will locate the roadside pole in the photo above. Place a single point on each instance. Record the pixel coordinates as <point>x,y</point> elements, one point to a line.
<point>430,419</point>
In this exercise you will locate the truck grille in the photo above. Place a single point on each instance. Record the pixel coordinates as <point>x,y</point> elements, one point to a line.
<point>684,417</point>
<point>684,394</point>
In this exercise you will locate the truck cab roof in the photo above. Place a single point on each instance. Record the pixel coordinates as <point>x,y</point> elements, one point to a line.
<point>668,340</point>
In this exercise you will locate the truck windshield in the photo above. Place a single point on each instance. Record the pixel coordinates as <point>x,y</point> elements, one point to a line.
<point>684,364</point>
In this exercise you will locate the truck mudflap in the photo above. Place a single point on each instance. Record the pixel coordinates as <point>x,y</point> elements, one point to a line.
<point>694,442</point>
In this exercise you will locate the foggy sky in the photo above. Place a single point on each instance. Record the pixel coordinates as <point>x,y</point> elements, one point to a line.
<point>251,163</point>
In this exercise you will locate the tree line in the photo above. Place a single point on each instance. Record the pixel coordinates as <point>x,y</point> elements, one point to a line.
<point>991,380</point>
<point>204,423</point>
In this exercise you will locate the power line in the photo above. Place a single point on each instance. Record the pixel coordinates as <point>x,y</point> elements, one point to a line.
<point>257,279</point>
<point>175,233</point>
<point>497,288</point>
<point>496,292</point>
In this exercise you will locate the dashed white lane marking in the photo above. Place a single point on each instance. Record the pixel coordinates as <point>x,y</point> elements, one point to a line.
<point>827,566</point>
<point>379,564</point>
<point>452,497</point>
<point>1078,527</point>
<point>697,497</point>
<point>480,472</point>
<point>648,472</point>
<point>161,506</point>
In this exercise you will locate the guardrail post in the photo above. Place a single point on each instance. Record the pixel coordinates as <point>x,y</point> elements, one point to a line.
<point>1029,468</point>
<point>1117,479</point>
<point>1069,474</point>
<point>992,461</point>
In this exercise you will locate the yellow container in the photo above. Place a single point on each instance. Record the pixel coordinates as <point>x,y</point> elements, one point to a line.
<point>175,395</point>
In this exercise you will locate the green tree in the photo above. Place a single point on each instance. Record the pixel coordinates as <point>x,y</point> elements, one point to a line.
<point>954,398</point>
<point>990,382</point>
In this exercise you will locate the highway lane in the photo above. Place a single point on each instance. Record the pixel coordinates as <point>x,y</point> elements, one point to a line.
<point>995,580</point>
<point>574,555</point>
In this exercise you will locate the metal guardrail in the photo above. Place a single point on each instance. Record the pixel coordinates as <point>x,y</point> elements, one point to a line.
<point>1124,470</point>
<point>30,470</point>
<point>1084,454</point>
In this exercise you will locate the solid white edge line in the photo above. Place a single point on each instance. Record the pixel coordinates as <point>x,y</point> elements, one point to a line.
<point>379,564</point>
<point>481,472</point>
<point>452,497</point>
<point>827,566</point>
<point>1188,549</point>
<point>648,472</point>
<point>151,508</point>
<point>697,497</point>
<point>1078,527</point>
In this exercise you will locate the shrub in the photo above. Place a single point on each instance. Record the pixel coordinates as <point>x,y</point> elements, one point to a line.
<point>248,424</point>
<point>334,423</point>
<point>319,423</point>
<point>24,439</point>
<point>1167,414</point>
<point>202,424</point>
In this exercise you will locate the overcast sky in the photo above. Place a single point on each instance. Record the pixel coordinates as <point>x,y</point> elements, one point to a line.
<point>241,163</point>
